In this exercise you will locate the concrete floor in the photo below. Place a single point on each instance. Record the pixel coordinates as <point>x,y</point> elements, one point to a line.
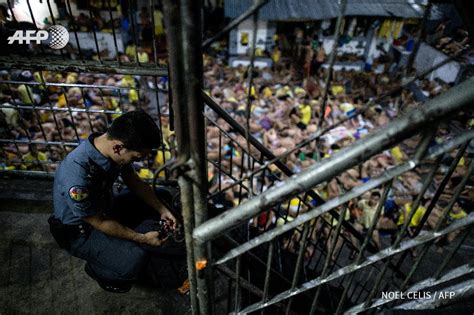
<point>38,277</point>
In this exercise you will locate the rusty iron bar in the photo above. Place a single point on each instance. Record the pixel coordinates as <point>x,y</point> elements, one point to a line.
<point>190,12</point>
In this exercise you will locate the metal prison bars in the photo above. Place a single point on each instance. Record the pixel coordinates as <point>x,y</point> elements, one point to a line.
<point>69,113</point>
<point>435,110</point>
<point>263,203</point>
<point>64,113</point>
<point>55,117</point>
<point>80,118</point>
<point>330,237</point>
<point>79,59</point>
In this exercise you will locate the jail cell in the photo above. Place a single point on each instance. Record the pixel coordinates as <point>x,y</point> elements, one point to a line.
<point>317,259</point>
<point>316,252</point>
<point>49,119</point>
<point>54,98</point>
<point>294,251</point>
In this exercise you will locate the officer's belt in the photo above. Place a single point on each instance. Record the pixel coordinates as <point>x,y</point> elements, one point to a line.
<point>64,234</point>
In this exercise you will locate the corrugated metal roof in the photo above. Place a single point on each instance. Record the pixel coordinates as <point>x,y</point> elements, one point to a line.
<point>278,10</point>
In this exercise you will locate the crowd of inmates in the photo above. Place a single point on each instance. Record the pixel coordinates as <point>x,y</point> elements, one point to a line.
<point>282,108</point>
<point>285,109</point>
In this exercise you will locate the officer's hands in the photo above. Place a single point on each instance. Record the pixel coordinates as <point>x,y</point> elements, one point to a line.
<point>167,215</point>
<point>151,238</point>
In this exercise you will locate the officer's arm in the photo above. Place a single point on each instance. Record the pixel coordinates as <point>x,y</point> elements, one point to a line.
<point>115,229</point>
<point>145,192</point>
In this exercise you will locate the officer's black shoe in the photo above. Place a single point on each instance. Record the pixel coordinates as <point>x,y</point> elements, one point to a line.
<point>111,286</point>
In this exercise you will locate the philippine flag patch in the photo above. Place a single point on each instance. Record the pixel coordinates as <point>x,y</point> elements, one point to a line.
<point>78,193</point>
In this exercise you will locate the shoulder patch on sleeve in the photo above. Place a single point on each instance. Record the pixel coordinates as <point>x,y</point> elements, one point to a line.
<point>78,193</point>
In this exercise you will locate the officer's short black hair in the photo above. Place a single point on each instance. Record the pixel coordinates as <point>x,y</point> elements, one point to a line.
<point>137,130</point>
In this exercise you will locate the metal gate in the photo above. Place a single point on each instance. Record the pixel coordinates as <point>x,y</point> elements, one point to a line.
<point>312,260</point>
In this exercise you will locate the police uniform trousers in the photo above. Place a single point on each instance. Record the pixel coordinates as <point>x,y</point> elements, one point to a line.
<point>111,258</point>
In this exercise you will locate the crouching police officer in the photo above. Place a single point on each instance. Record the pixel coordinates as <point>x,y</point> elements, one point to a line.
<point>84,222</point>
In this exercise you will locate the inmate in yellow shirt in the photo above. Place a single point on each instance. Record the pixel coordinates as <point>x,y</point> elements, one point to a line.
<point>416,219</point>
<point>42,157</point>
<point>305,114</point>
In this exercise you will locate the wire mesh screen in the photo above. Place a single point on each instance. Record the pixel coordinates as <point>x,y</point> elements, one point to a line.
<point>49,113</point>
<point>52,99</point>
<point>330,247</point>
<point>100,35</point>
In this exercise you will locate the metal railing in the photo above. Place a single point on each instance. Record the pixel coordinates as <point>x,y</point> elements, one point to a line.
<point>274,242</point>
<point>458,98</point>
<point>250,292</point>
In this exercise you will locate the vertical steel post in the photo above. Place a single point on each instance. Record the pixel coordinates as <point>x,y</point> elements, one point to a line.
<point>152,14</point>
<point>184,47</point>
<point>266,285</point>
<point>299,263</point>
<point>329,255</point>
<point>113,32</point>
<point>192,67</point>
<point>75,29</point>
<point>332,59</point>
<point>360,256</point>
<point>172,17</point>
<point>439,223</point>
<point>248,110</point>
<point>94,32</point>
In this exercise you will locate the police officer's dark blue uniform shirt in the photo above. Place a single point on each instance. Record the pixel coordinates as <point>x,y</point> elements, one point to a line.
<point>83,183</point>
